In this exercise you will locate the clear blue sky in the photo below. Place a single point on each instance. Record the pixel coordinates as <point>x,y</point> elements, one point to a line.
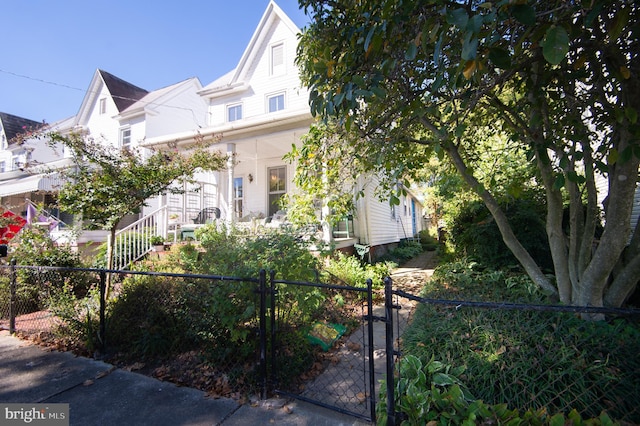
<point>51,49</point>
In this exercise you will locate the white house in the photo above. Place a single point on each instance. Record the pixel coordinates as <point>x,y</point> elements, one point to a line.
<point>258,111</point>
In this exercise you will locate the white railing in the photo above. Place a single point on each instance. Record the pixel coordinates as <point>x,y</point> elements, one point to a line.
<point>134,241</point>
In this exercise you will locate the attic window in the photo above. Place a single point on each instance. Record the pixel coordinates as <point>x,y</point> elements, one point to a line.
<point>277,59</point>
<point>103,105</point>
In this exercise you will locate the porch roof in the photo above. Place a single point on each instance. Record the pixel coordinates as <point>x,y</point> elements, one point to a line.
<point>33,183</point>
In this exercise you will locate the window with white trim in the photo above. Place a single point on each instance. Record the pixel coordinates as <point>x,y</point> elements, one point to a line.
<point>103,105</point>
<point>238,196</point>
<point>234,112</point>
<point>275,102</point>
<point>277,187</point>
<point>125,136</point>
<point>277,59</point>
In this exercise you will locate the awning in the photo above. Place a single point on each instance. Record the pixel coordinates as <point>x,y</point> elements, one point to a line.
<point>23,185</point>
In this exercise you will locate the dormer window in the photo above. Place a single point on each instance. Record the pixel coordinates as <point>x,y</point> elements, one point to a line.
<point>234,112</point>
<point>103,105</point>
<point>277,59</point>
<point>275,102</point>
<point>125,137</point>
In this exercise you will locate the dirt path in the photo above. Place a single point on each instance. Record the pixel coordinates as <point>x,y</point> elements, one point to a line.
<point>412,276</point>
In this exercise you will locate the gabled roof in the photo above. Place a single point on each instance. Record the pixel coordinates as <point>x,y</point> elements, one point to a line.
<point>14,125</point>
<point>124,94</point>
<point>234,79</point>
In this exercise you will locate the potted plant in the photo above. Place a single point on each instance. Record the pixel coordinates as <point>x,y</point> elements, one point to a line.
<point>157,242</point>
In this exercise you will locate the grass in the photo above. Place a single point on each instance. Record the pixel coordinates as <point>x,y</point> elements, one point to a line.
<point>527,359</point>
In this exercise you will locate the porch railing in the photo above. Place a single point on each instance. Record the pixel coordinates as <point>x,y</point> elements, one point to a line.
<point>134,241</point>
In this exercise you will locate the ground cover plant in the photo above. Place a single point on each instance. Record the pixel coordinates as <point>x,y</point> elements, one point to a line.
<point>528,360</point>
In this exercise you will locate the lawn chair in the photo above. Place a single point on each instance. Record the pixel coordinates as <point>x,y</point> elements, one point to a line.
<point>207,215</point>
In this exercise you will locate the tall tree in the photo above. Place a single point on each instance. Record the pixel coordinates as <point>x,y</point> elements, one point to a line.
<point>107,183</point>
<point>559,77</point>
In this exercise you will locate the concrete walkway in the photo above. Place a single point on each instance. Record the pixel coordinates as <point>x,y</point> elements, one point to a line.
<point>102,395</point>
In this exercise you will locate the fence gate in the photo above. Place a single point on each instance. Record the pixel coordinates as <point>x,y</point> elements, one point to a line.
<point>346,365</point>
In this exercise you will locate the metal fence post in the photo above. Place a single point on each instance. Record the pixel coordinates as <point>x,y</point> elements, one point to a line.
<point>388,309</point>
<point>372,373</point>
<point>274,375</point>
<point>263,331</point>
<point>12,299</point>
<point>103,304</point>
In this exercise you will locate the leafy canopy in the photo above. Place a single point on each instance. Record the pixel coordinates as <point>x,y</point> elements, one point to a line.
<point>558,79</point>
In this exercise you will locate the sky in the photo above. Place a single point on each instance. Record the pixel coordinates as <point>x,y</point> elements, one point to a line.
<point>51,49</point>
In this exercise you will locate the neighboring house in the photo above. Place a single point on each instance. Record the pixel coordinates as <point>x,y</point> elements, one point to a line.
<point>20,159</point>
<point>258,111</point>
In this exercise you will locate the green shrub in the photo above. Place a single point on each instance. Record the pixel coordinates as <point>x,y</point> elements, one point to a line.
<point>405,251</point>
<point>474,233</point>
<point>350,271</point>
<point>80,317</point>
<point>428,242</point>
<point>177,316</point>
<point>35,287</point>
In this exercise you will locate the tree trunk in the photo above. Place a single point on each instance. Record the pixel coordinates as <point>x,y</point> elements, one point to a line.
<point>509,238</point>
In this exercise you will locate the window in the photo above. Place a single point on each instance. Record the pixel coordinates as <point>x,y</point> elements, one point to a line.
<point>2,166</point>
<point>103,105</point>
<point>234,112</point>
<point>125,137</point>
<point>238,191</point>
<point>277,187</point>
<point>276,102</point>
<point>277,59</point>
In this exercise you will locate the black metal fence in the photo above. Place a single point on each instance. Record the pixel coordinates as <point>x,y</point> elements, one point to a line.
<point>241,336</point>
<point>538,358</point>
<point>326,344</point>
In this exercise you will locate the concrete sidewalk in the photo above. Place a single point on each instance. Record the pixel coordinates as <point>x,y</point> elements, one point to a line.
<point>100,394</point>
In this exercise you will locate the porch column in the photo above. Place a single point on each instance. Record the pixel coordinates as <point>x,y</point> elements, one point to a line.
<point>327,231</point>
<point>231,154</point>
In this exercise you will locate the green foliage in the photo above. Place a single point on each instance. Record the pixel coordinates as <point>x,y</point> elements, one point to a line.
<point>352,272</point>
<point>108,183</point>
<point>431,393</point>
<point>80,316</point>
<point>177,316</point>
<point>156,240</point>
<point>532,360</point>
<point>400,80</point>
<point>428,242</point>
<point>405,251</point>
<point>221,252</point>
<point>35,248</point>
<point>475,234</point>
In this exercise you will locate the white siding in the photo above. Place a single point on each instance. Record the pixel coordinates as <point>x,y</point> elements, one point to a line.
<point>261,83</point>
<point>102,126</point>
<point>181,110</point>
